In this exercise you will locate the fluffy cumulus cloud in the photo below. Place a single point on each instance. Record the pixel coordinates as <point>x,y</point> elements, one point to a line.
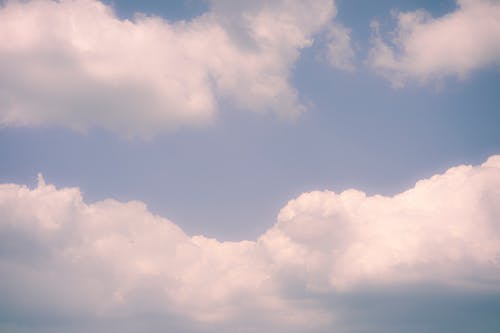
<point>426,48</point>
<point>93,267</point>
<point>74,63</point>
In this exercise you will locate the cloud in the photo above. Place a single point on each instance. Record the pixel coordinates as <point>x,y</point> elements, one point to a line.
<point>339,51</point>
<point>426,48</point>
<point>64,262</point>
<point>75,64</point>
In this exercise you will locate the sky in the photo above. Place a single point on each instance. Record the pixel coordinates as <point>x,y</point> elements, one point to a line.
<point>236,166</point>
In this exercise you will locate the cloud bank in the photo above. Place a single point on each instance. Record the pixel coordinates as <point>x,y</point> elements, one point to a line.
<point>426,48</point>
<point>74,63</point>
<point>65,263</point>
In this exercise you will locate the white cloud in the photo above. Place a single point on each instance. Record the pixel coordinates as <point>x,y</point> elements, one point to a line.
<point>117,260</point>
<point>426,48</point>
<point>75,64</point>
<point>339,51</point>
<point>444,229</point>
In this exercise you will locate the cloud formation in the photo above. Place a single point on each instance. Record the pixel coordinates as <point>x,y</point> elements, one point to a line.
<point>64,261</point>
<point>426,48</point>
<point>339,50</point>
<point>74,63</point>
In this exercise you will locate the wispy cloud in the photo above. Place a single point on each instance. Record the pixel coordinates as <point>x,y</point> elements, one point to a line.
<point>339,50</point>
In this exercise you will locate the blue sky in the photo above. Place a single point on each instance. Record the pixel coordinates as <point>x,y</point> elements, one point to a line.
<point>384,119</point>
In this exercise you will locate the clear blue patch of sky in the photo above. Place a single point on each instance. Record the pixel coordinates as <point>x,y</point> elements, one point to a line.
<point>171,10</point>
